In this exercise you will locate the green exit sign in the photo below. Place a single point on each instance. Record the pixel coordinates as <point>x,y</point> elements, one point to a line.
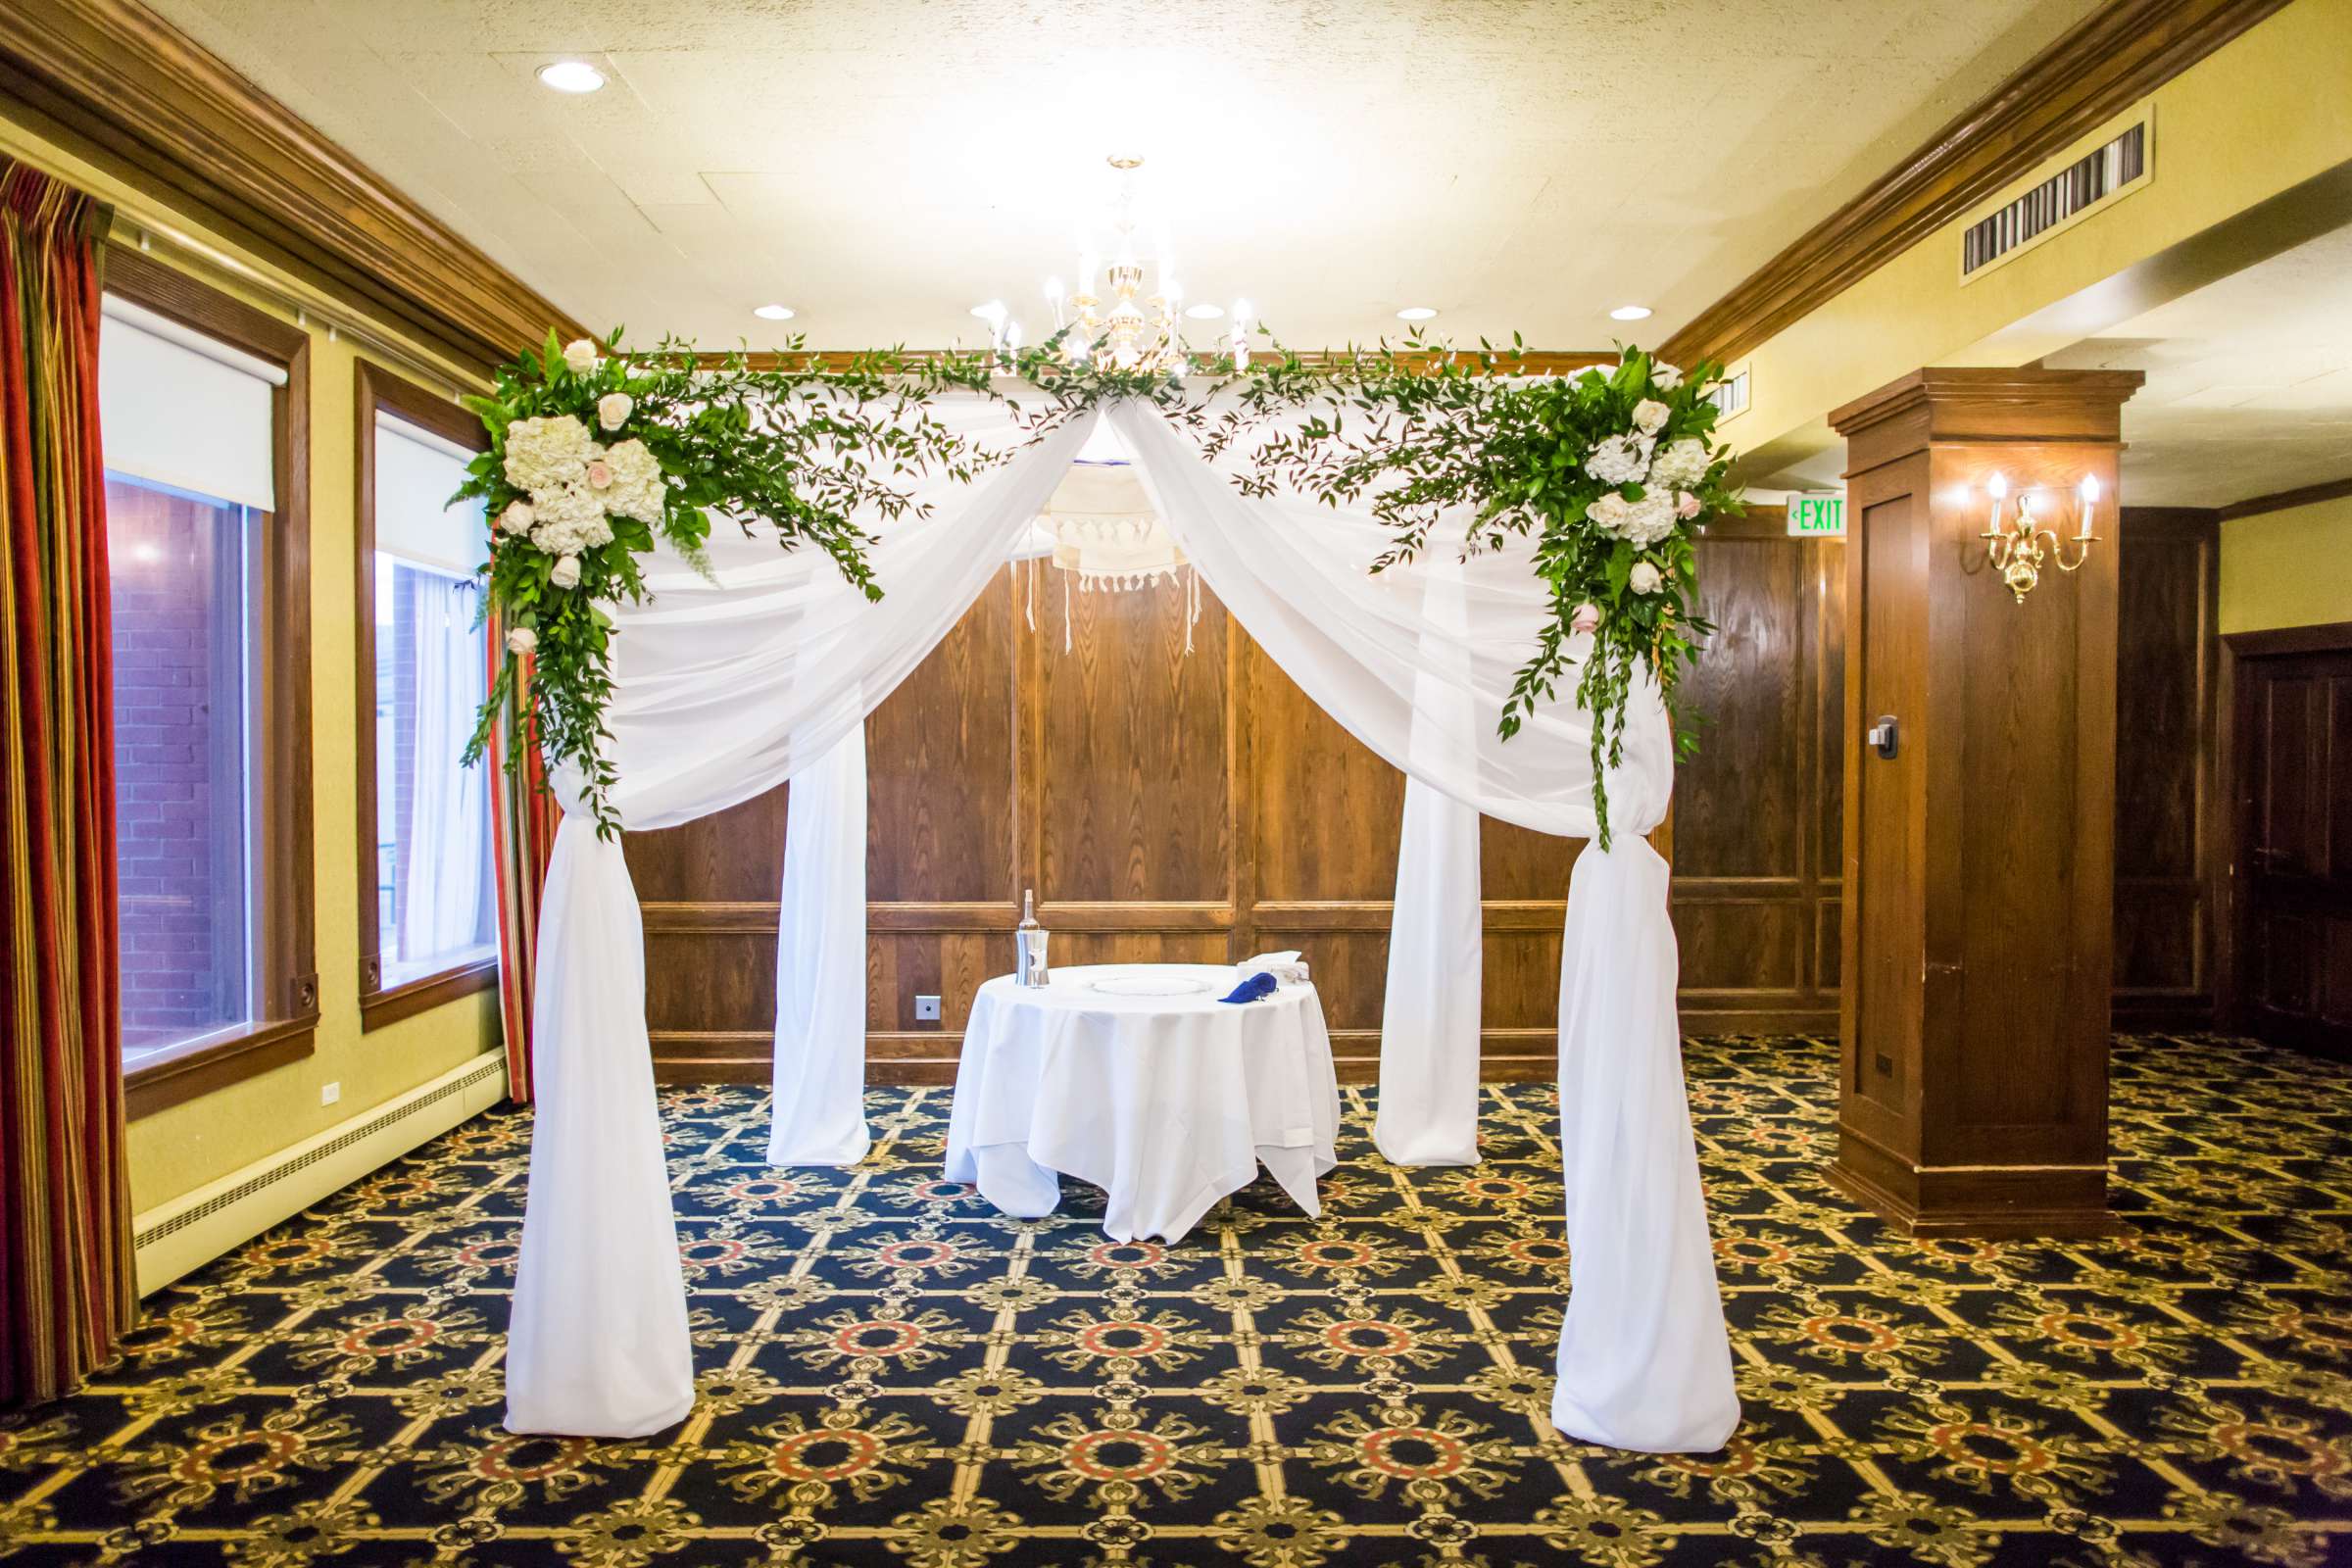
<point>1817,516</point>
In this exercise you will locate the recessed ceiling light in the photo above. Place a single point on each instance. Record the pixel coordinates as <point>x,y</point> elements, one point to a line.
<point>1628,312</point>
<point>1416,313</point>
<point>572,76</point>
<point>773,313</point>
<point>1204,311</point>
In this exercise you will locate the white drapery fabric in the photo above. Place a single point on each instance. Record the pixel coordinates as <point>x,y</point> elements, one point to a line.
<point>819,1117</point>
<point>722,692</point>
<point>444,876</point>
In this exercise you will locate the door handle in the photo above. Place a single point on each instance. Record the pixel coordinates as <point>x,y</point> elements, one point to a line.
<point>1882,737</point>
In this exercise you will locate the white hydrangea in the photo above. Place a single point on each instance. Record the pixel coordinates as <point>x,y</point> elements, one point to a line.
<point>1649,415</point>
<point>571,518</point>
<point>545,452</point>
<point>1643,522</point>
<point>636,489</point>
<point>1682,464</point>
<point>1620,460</point>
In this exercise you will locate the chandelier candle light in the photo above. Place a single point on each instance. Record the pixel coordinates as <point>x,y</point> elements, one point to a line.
<point>1137,333</point>
<point>2015,547</point>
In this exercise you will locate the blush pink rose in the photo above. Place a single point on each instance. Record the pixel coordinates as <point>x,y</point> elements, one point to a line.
<point>1586,618</point>
<point>600,475</point>
<point>1686,505</point>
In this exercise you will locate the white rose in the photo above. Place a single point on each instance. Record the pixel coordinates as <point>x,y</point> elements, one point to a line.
<point>612,409</point>
<point>580,357</point>
<point>516,519</point>
<point>1649,415</point>
<point>566,572</point>
<point>1645,578</point>
<point>522,640</point>
<point>1620,460</point>
<point>1608,514</point>
<point>546,452</point>
<point>1682,464</point>
<point>1665,377</point>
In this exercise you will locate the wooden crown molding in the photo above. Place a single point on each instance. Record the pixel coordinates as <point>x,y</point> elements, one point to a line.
<point>2282,500</point>
<point>1992,403</point>
<point>2102,67</point>
<point>140,95</point>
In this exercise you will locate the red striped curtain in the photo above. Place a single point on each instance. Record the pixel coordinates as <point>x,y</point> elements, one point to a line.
<point>524,817</point>
<point>67,1288</point>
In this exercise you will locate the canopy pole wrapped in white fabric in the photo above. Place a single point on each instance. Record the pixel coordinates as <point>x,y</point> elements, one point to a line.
<point>820,1114</point>
<point>1429,1021</point>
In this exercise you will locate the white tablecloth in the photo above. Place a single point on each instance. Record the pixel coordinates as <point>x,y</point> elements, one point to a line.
<point>1167,1103</point>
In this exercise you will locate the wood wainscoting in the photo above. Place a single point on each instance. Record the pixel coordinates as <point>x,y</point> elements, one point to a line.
<point>1166,806</point>
<point>1201,807</point>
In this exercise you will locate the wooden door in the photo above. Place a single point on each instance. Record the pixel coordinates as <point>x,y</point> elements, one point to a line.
<point>2292,771</point>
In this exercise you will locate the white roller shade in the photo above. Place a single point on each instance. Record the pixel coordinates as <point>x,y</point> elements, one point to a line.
<point>176,408</point>
<point>415,474</point>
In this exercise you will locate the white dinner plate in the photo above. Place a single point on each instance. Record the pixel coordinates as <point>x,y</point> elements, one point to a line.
<point>1149,984</point>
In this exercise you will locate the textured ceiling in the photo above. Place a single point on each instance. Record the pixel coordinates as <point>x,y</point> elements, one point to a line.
<point>883,166</point>
<point>2249,388</point>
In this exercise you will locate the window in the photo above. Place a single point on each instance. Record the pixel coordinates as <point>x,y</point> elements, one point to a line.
<point>428,916</point>
<point>200,402</point>
<point>181,567</point>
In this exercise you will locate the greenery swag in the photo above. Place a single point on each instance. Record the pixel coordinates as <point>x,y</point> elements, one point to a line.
<point>597,452</point>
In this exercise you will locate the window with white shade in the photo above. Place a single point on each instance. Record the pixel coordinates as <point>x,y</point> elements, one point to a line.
<point>433,898</point>
<point>188,431</point>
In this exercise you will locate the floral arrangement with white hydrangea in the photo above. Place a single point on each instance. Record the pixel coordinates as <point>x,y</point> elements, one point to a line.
<point>597,452</point>
<point>1613,469</point>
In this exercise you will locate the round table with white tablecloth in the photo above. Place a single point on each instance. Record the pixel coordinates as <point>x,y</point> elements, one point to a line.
<point>1136,1078</point>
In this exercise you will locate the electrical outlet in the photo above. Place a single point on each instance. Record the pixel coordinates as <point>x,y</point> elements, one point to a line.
<point>329,1094</point>
<point>926,1010</point>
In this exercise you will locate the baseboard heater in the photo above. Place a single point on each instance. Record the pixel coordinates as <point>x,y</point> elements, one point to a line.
<point>190,1231</point>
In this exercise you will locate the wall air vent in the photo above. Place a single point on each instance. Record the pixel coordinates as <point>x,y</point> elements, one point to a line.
<point>1729,395</point>
<point>2065,197</point>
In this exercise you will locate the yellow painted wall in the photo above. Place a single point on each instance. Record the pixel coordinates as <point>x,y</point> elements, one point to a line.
<point>2266,111</point>
<point>176,1151</point>
<point>2287,569</point>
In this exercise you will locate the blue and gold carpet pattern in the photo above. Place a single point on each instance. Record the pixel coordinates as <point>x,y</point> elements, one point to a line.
<point>893,1374</point>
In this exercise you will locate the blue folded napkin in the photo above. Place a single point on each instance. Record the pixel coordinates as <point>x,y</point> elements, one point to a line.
<point>1253,988</point>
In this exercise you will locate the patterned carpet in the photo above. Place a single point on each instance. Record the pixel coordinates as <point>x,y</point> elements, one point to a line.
<point>892,1374</point>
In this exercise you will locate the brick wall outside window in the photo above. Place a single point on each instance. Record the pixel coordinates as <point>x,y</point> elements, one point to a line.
<point>178,568</point>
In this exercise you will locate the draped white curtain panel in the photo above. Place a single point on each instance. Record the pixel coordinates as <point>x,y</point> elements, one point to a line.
<point>724,691</point>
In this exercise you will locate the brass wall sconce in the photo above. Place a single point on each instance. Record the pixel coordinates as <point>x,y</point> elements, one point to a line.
<point>2016,547</point>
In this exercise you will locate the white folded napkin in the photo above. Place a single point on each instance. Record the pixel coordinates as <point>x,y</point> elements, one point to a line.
<point>1286,967</point>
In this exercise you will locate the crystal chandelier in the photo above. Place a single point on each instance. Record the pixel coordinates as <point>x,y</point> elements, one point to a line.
<point>1137,333</point>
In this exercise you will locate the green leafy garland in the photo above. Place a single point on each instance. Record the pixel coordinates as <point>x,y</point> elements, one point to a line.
<point>597,452</point>
<point>1613,469</point>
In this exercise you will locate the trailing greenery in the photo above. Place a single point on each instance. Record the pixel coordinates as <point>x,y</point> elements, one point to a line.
<point>597,451</point>
<point>1612,468</point>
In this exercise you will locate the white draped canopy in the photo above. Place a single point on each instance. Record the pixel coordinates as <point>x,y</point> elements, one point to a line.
<point>725,690</point>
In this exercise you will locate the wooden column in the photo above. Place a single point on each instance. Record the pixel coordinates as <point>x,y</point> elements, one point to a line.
<point>1979,921</point>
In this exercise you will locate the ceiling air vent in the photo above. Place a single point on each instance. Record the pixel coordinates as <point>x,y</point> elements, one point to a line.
<point>2072,193</point>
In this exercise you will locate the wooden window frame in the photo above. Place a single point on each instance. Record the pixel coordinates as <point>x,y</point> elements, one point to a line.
<point>380,391</point>
<point>286,896</point>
